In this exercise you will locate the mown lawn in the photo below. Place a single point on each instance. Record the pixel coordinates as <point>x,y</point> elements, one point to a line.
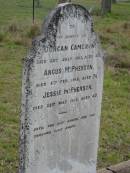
<point>16,31</point>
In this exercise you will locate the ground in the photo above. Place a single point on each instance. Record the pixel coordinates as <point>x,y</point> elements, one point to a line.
<point>16,32</point>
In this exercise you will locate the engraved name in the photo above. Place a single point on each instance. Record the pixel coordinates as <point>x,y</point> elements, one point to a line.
<point>66,48</point>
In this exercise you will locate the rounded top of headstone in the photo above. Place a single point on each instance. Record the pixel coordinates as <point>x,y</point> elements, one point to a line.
<point>66,9</point>
<point>60,14</point>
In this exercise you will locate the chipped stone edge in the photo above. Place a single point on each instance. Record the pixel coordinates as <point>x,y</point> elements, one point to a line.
<point>123,167</point>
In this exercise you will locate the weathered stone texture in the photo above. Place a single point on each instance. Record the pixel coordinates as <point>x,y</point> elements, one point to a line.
<point>61,95</point>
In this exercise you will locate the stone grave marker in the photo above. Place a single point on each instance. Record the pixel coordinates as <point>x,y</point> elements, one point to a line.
<point>61,95</point>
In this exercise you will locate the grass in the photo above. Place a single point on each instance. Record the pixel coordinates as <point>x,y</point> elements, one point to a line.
<point>16,31</point>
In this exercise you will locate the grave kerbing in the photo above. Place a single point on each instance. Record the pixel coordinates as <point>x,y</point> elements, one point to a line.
<point>61,95</point>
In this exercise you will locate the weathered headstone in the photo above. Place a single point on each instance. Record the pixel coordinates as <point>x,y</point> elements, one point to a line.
<point>61,96</point>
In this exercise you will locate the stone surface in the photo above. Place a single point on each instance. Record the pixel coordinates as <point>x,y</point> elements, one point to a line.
<point>104,171</point>
<point>61,96</point>
<point>123,167</point>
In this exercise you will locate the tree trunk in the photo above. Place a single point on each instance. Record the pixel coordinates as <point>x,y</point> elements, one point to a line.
<point>106,6</point>
<point>38,3</point>
<point>114,1</point>
<point>63,1</point>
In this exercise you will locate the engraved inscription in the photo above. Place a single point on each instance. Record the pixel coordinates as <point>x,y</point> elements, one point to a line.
<point>61,95</point>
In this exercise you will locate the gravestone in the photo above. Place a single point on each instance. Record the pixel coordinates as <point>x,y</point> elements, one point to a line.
<point>61,95</point>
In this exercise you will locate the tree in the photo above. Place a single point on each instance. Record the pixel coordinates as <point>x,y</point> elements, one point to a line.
<point>106,6</point>
<point>113,1</point>
<point>37,3</point>
<point>63,1</point>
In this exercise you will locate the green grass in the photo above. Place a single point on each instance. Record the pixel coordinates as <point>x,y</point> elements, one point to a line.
<point>16,31</point>
<point>115,128</point>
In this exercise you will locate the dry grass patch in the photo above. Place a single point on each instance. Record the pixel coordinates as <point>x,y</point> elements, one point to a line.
<point>33,31</point>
